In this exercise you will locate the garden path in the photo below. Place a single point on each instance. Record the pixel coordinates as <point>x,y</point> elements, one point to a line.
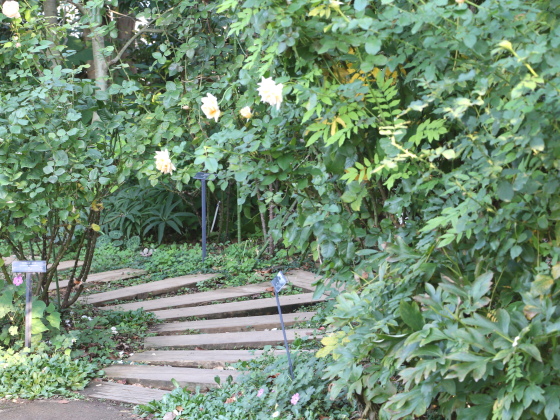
<point>196,351</point>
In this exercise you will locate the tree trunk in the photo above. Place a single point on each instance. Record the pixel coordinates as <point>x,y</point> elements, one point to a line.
<point>51,19</point>
<point>125,31</point>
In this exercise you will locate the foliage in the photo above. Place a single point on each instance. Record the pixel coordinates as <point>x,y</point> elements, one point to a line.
<point>110,256</point>
<point>110,334</point>
<point>141,210</point>
<point>44,319</point>
<point>448,346</point>
<point>266,390</point>
<point>42,375</point>
<point>237,262</point>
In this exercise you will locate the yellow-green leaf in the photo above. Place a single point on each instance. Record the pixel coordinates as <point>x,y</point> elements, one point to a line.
<point>556,272</point>
<point>542,285</point>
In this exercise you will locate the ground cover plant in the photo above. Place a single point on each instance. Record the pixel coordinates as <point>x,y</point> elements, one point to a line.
<point>265,391</point>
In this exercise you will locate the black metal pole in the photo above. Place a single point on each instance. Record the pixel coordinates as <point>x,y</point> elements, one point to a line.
<point>285,338</point>
<point>203,219</point>
<point>28,308</point>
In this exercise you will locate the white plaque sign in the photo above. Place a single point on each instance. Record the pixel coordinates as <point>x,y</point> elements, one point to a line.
<point>29,267</point>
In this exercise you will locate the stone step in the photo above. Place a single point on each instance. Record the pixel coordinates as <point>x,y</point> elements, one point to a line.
<point>205,359</point>
<point>160,376</point>
<point>305,280</point>
<point>302,279</point>
<point>224,341</point>
<point>183,301</point>
<point>232,324</point>
<point>66,265</point>
<point>142,291</point>
<point>106,276</point>
<point>235,309</point>
<point>124,393</point>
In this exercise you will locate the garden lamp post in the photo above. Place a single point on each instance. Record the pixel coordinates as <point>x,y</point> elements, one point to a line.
<point>203,177</point>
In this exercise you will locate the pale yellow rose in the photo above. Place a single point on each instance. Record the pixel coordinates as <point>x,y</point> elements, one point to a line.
<point>11,9</point>
<point>246,112</point>
<point>210,107</point>
<point>163,162</point>
<point>271,93</point>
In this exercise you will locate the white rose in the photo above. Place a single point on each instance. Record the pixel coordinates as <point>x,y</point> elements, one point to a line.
<point>11,9</point>
<point>210,107</point>
<point>246,112</point>
<point>271,93</point>
<point>163,162</point>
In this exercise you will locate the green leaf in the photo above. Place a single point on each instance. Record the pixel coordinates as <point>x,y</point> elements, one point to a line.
<point>515,251</point>
<point>505,191</point>
<point>481,286</point>
<point>373,46</point>
<point>470,40</point>
<point>532,351</point>
<point>60,158</point>
<point>360,5</point>
<point>410,314</point>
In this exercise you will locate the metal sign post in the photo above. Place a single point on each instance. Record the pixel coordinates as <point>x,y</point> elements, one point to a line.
<point>203,176</point>
<point>28,267</point>
<point>279,282</point>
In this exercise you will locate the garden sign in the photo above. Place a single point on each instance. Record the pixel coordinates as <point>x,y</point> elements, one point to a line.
<point>28,267</point>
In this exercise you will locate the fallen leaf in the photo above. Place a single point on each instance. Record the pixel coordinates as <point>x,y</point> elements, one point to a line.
<point>63,402</point>
<point>269,289</point>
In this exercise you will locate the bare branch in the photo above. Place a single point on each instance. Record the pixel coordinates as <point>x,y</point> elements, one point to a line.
<point>130,41</point>
<point>145,29</point>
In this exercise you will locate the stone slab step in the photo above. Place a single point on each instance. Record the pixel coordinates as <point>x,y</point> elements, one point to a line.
<point>224,341</point>
<point>234,309</point>
<point>194,299</point>
<point>124,393</point>
<point>106,276</point>
<point>206,359</point>
<point>302,279</point>
<point>160,376</point>
<point>305,279</point>
<point>232,324</point>
<point>145,290</point>
<point>66,265</point>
